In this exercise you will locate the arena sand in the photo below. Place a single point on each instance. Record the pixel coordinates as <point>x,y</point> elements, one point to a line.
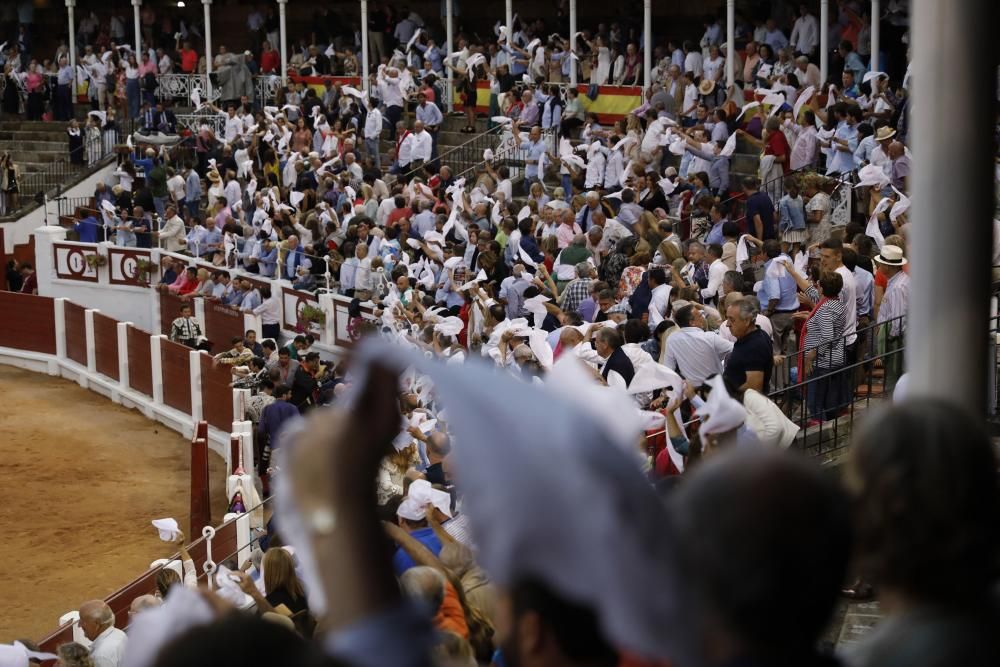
<point>81,480</point>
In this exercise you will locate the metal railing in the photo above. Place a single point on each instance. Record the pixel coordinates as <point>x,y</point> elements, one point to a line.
<point>460,158</point>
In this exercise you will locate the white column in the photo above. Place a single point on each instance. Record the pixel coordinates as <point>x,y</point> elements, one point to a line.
<point>730,45</point>
<point>647,43</point>
<point>509,19</point>
<point>194,366</point>
<point>207,4</point>
<point>824,32</point>
<point>156,367</point>
<point>60,312</point>
<point>88,327</point>
<point>240,398</point>
<point>953,159</point>
<point>449,48</point>
<point>70,4</point>
<point>328,305</point>
<point>365,64</point>
<point>199,313</point>
<point>876,11</point>
<point>572,37</point>
<point>283,41</point>
<point>138,29</point>
<point>122,328</point>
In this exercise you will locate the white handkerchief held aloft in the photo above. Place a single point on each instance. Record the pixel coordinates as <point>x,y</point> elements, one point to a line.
<point>777,268</point>
<point>803,99</point>
<point>168,529</point>
<point>721,412</point>
<point>871,75</point>
<point>422,494</point>
<point>667,186</point>
<point>523,214</point>
<point>901,206</point>
<point>525,257</point>
<point>450,326</point>
<point>730,146</point>
<point>872,176</point>
<point>413,243</point>
<point>742,250</point>
<point>488,155</point>
<point>873,230</point>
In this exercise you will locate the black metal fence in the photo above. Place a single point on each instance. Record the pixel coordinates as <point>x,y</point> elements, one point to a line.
<point>823,389</point>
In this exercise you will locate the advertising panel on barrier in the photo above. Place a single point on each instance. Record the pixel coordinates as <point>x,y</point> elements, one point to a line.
<point>302,313</point>
<point>130,266</point>
<point>76,261</point>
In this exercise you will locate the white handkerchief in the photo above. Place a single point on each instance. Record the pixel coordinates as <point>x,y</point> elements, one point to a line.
<point>168,528</point>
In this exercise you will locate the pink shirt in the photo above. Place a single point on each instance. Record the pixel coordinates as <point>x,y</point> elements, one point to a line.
<point>148,67</point>
<point>565,234</point>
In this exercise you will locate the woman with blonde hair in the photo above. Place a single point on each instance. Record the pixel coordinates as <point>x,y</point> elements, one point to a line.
<point>282,588</point>
<point>392,472</point>
<point>72,654</point>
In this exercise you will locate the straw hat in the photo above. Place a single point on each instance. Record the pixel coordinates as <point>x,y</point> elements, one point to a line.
<point>213,176</point>
<point>891,255</point>
<point>884,133</point>
<point>706,87</point>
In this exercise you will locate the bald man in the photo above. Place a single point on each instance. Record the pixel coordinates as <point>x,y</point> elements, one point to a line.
<point>98,624</point>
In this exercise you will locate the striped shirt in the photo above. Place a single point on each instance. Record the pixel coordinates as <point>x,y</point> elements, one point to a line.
<point>825,331</point>
<point>895,302</point>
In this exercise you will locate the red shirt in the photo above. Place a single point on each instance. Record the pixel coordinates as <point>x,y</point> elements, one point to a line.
<point>30,284</point>
<point>777,145</point>
<point>396,215</point>
<point>189,60</point>
<point>269,61</point>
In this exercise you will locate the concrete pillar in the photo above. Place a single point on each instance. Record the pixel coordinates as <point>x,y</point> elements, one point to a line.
<point>207,4</point>
<point>70,5</point>
<point>647,43</point>
<point>156,368</point>
<point>946,335</point>
<point>88,327</point>
<point>122,330</point>
<point>365,56</point>
<point>194,368</point>
<point>60,320</point>
<point>572,37</point>
<point>824,32</point>
<point>876,11</point>
<point>731,44</point>
<point>283,41</point>
<point>138,29</point>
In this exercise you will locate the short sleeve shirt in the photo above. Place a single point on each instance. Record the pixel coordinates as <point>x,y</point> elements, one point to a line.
<point>753,352</point>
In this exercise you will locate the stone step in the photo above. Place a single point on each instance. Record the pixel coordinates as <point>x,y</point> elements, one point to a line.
<point>18,136</point>
<point>41,146</point>
<point>39,156</point>
<point>32,125</point>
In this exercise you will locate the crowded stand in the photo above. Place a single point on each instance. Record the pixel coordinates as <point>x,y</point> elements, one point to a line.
<point>560,435</point>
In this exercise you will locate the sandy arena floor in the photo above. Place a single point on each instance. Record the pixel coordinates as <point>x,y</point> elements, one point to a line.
<point>82,477</point>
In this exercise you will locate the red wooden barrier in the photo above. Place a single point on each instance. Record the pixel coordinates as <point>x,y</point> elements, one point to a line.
<point>201,505</point>
<point>106,345</point>
<point>33,328</point>
<point>170,309</point>
<point>222,324</point>
<point>216,395</point>
<point>76,333</point>
<point>176,376</point>
<point>140,370</point>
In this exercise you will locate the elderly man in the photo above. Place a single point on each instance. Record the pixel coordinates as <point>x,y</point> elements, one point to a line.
<point>579,289</point>
<point>618,368</point>
<point>565,268</point>
<point>98,624</point>
<point>585,217</point>
<point>750,364</point>
<point>422,147</point>
<point>567,229</point>
<point>695,353</point>
<point>535,148</point>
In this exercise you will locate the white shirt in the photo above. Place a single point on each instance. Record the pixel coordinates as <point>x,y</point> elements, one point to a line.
<point>716,272</point>
<point>390,93</point>
<point>696,354</point>
<point>234,128</point>
<point>763,322</point>
<point>108,650</point>
<point>692,63</point>
<point>422,146</point>
<point>595,171</point>
<point>690,104</point>
<point>405,155</point>
<point>373,124</point>
<point>171,234</point>
<point>176,186</point>
<point>658,303</point>
<point>848,295</point>
<point>613,170</point>
<point>506,188</point>
<point>232,192</point>
<point>269,311</point>
<point>805,34</point>
<point>711,67</point>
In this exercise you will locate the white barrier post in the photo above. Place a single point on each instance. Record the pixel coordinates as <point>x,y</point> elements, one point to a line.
<point>328,306</point>
<point>194,361</point>
<point>240,398</point>
<point>88,325</point>
<point>60,312</point>
<point>156,368</point>
<point>123,354</point>
<point>252,322</point>
<point>199,314</point>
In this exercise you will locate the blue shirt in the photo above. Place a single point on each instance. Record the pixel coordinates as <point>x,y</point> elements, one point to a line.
<point>535,150</point>
<point>401,561</point>
<point>87,229</point>
<point>865,296</point>
<point>273,418</point>
<point>783,289</point>
<point>792,213</point>
<point>715,233</point>
<point>843,161</point>
<point>192,187</point>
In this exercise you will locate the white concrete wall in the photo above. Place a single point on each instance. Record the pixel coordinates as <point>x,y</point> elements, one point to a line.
<point>19,231</point>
